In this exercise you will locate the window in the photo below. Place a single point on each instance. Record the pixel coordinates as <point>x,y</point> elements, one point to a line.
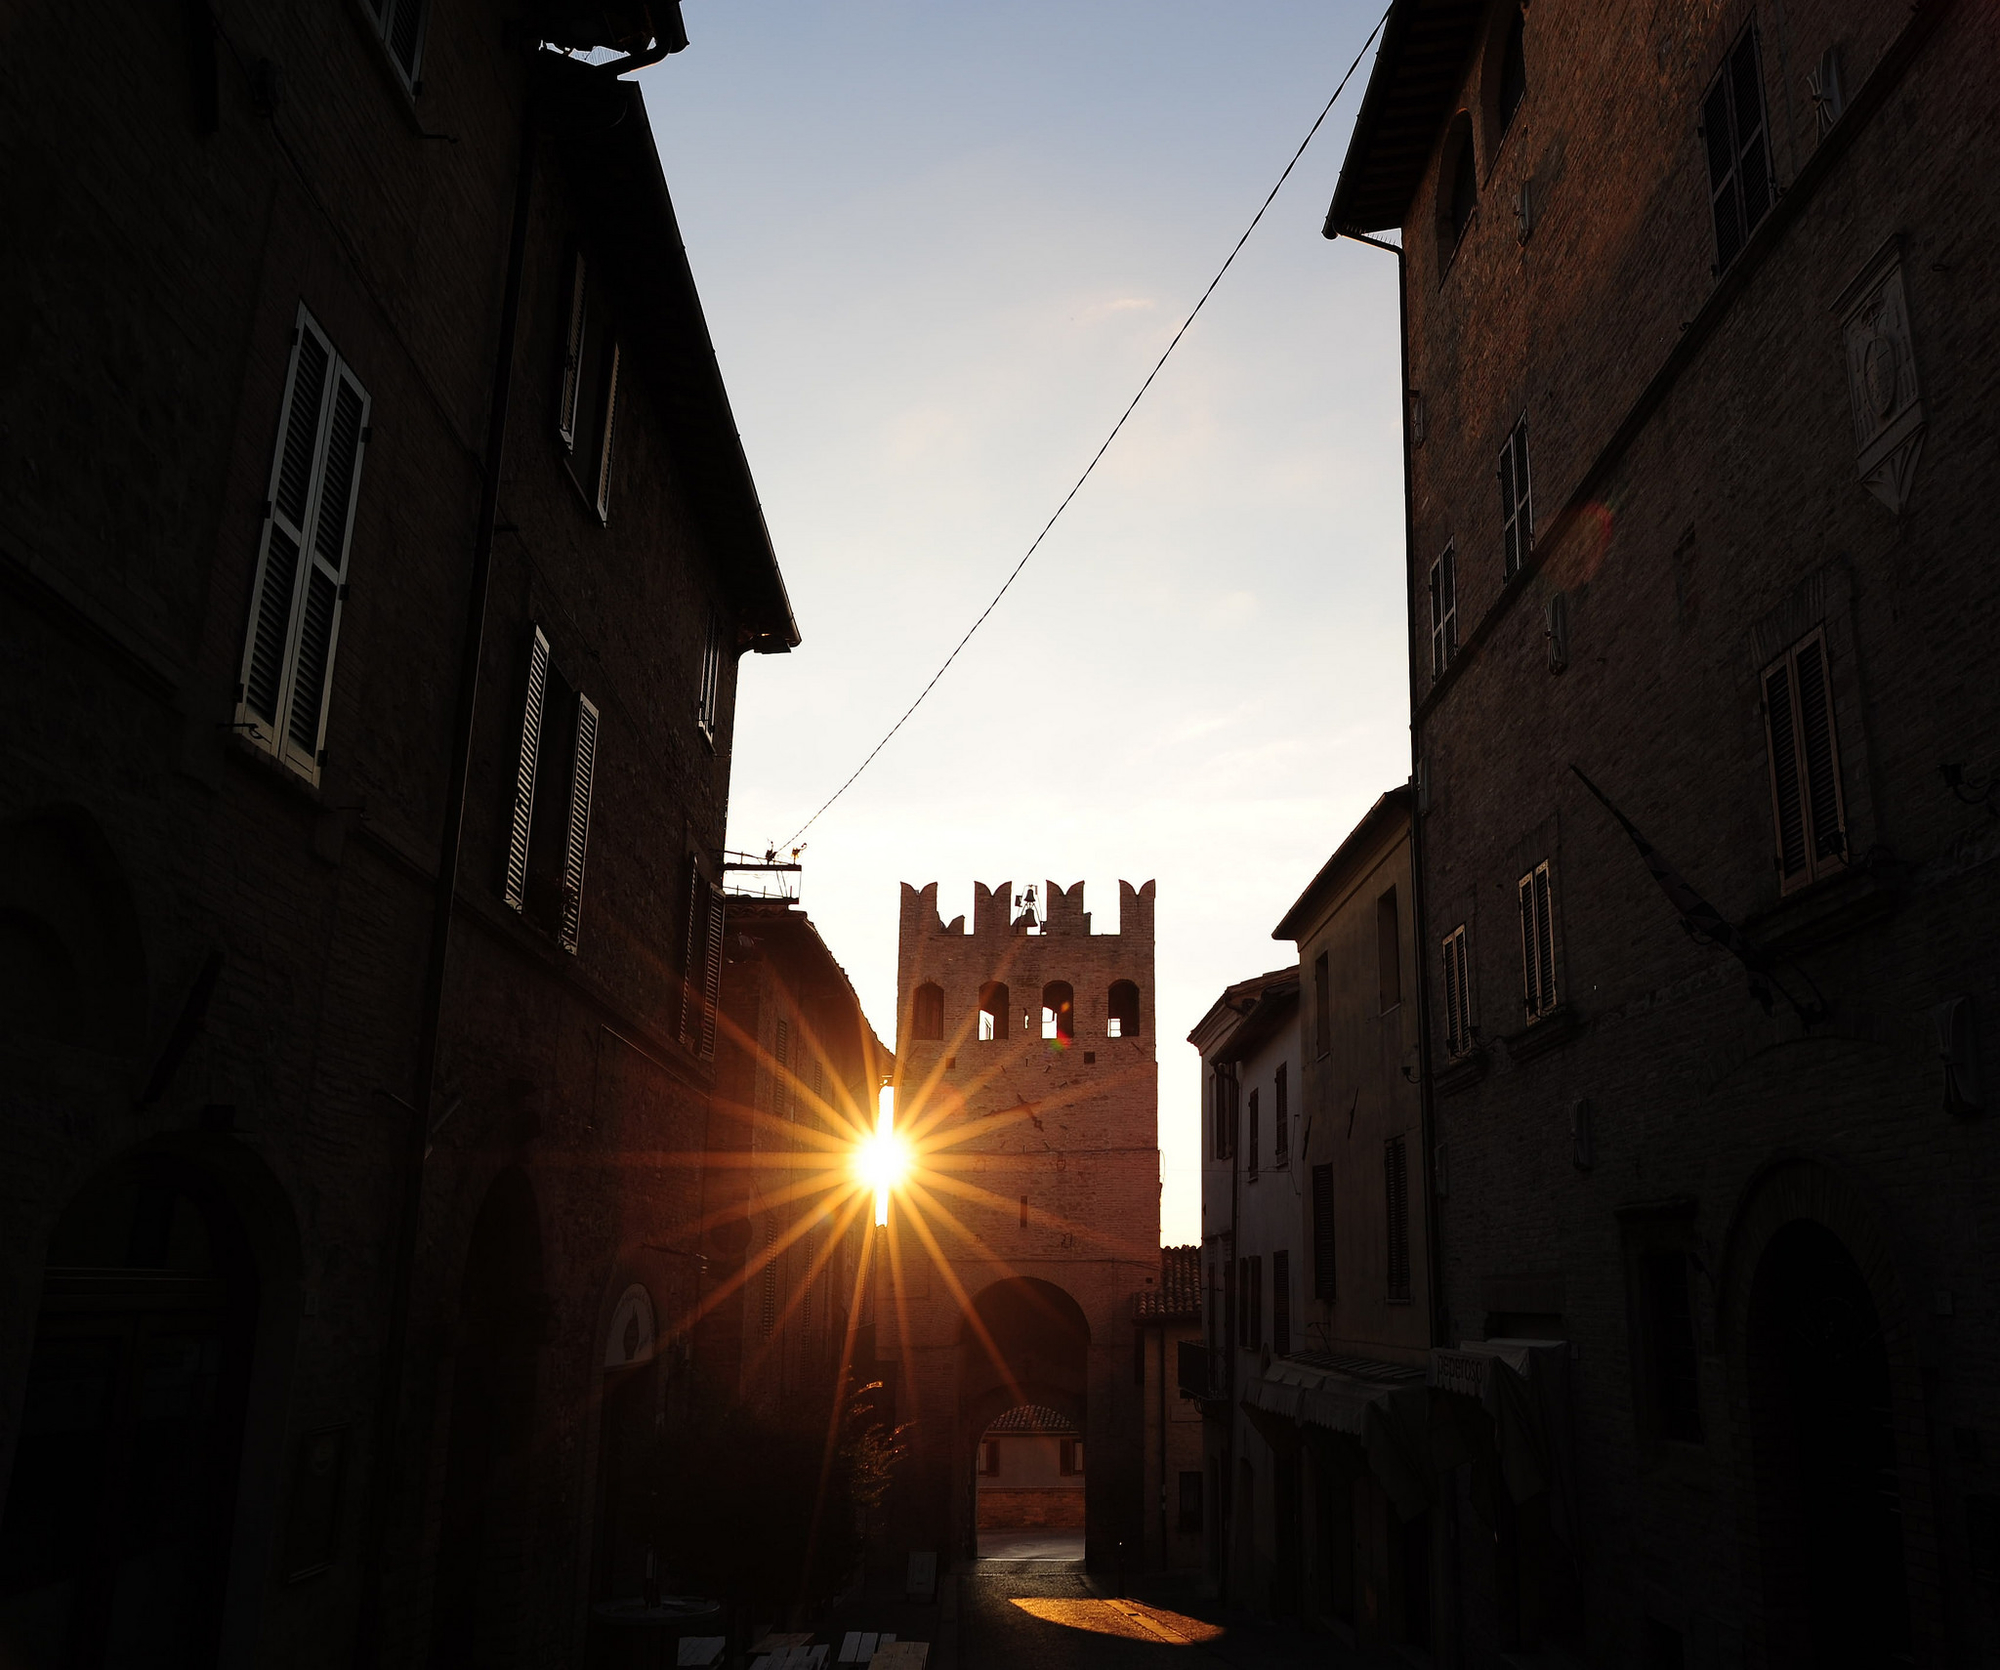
<point>1233,1301</point>
<point>927,1011</point>
<point>295,601</point>
<point>1322,1007</point>
<point>1806,803</point>
<point>1250,1148</point>
<point>1281,1115</point>
<point>1070,1457</point>
<point>1517,508</point>
<point>701,973</point>
<point>1256,1264</point>
<point>402,25</point>
<point>1458,1029</point>
<point>781,1078</point>
<point>989,1458</point>
<point>1139,1356</point>
<point>1388,951</point>
<point>1458,190</point>
<point>1024,1211</point>
<point>1444,611</point>
<point>1124,1010</point>
<point>992,1012</point>
<point>1538,942</point>
<point>1513,72</point>
<point>1322,1208</point>
<point>1667,1342</point>
<point>1281,1303</point>
<point>1190,1504</point>
<point>549,830</point>
<point>1396,1186</point>
<point>1739,168</point>
<point>708,701</point>
<point>1059,1013</point>
<point>1225,1110</point>
<point>585,421</point>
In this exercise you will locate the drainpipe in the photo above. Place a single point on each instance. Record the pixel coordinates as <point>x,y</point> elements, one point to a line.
<point>1426,1094</point>
<point>1166,1563</point>
<point>395,1363</point>
<point>1229,1345</point>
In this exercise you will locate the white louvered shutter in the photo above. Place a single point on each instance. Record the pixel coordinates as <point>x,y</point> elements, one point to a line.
<point>515,888</point>
<point>603,497</point>
<point>287,668</point>
<point>577,834</point>
<point>711,996</point>
<point>1454,1036</point>
<point>573,362</point>
<point>695,963</point>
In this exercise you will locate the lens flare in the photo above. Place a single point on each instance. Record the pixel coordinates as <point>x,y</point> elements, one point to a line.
<point>883,1161</point>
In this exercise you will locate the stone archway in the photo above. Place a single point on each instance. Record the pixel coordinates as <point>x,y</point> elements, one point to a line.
<point>1026,1341</point>
<point>1838,1523</point>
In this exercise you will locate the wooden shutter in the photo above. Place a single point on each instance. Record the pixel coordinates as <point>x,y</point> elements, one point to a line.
<point>711,998</point>
<point>1818,752</point>
<point>577,832</point>
<point>1322,1229</point>
<point>303,553</point>
<point>1509,528</point>
<point>1538,942</point>
<point>1281,1302</point>
<point>1396,1185</point>
<point>1452,952</point>
<point>1437,618</point>
<point>603,495</point>
<point>404,31</point>
<point>515,886</point>
<point>768,1320</point>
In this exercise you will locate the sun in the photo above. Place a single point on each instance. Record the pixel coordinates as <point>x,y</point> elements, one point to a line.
<point>884,1160</point>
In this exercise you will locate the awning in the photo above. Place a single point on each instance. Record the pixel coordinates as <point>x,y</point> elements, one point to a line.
<point>1386,1406</point>
<point>1523,1386</point>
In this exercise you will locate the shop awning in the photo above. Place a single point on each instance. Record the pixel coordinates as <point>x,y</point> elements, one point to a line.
<point>1385,1406</point>
<point>1523,1386</point>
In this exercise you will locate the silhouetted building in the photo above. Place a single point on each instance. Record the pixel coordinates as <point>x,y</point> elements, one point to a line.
<point>1701,359</point>
<point>798,1073</point>
<point>363,431</point>
<point>1167,1317</point>
<point>1027,1079</point>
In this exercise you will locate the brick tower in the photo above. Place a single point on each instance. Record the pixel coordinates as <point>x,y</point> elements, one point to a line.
<point>1026,1075</point>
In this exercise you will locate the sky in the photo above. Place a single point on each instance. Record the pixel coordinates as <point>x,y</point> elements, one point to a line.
<point>939,247</point>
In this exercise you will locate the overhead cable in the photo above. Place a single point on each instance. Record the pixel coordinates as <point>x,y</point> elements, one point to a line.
<point>1015,574</point>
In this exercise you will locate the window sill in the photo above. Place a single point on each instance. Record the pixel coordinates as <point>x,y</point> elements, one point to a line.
<point>1825,912</point>
<point>1544,1033</point>
<point>275,770</point>
<point>1462,1074</point>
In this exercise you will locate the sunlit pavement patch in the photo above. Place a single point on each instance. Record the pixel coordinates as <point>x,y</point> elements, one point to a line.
<point>1119,1617</point>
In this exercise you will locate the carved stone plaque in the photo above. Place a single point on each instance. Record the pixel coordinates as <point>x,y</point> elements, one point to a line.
<point>1882,378</point>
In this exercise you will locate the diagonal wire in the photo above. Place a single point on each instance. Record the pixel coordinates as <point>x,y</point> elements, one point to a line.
<point>1108,439</point>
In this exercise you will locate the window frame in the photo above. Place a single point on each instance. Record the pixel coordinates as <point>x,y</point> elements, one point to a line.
<point>588,369</point>
<point>1817,860</point>
<point>1517,501</point>
<point>1281,1116</point>
<point>1396,1272</point>
<point>300,534</point>
<point>1720,98</point>
<point>708,698</point>
<point>1281,1301</point>
<point>1444,609</point>
<point>1325,1221</point>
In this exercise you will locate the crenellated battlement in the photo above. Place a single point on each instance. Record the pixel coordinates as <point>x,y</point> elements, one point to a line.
<point>1059,912</point>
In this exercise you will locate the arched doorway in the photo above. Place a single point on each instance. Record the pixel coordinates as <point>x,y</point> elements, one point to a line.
<point>114,1545</point>
<point>482,1561</point>
<point>1829,1496</point>
<point>1025,1344</point>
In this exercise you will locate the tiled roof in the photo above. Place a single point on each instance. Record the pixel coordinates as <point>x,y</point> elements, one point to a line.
<point>1033,1417</point>
<point>1177,1296</point>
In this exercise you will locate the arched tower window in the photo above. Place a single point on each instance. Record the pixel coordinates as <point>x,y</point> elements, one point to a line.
<point>1124,1010</point>
<point>1059,1012</point>
<point>1458,189</point>
<point>992,1011</point>
<point>927,1011</point>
